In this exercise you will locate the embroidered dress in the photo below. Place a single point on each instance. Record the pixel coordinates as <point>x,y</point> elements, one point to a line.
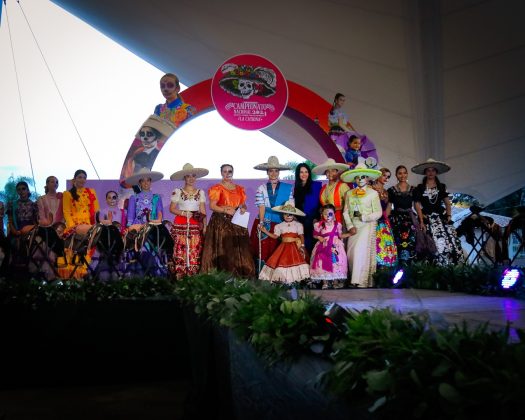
<point>287,263</point>
<point>21,214</point>
<point>308,202</point>
<point>328,260</point>
<point>141,204</point>
<point>226,245</point>
<point>362,210</point>
<point>267,197</point>
<point>386,251</point>
<point>187,233</point>
<point>77,212</point>
<point>177,111</point>
<point>403,222</point>
<point>448,246</point>
<point>336,118</point>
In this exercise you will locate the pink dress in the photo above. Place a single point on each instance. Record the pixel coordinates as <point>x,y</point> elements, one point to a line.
<point>329,259</point>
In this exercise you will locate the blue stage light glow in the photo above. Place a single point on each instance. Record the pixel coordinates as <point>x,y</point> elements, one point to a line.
<point>509,278</point>
<point>398,276</point>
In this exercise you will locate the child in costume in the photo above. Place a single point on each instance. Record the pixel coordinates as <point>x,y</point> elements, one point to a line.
<point>328,262</point>
<point>287,264</point>
<point>353,152</point>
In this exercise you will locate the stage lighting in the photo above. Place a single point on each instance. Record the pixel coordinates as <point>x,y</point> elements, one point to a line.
<point>398,277</point>
<point>510,278</point>
<point>335,315</point>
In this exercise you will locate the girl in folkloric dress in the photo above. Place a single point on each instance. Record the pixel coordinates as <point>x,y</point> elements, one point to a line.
<point>287,264</point>
<point>386,251</point>
<point>328,263</point>
<point>434,210</point>
<point>402,217</point>
<point>188,204</point>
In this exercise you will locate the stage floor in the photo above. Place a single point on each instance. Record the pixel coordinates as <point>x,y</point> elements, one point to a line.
<point>453,308</point>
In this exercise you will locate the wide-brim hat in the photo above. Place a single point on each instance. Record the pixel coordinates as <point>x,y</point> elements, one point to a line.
<point>144,173</point>
<point>164,127</point>
<point>440,167</point>
<point>273,163</point>
<point>360,170</point>
<point>288,208</point>
<point>188,169</point>
<point>329,164</point>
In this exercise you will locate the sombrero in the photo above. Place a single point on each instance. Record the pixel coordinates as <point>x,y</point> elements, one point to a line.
<point>360,170</point>
<point>287,208</point>
<point>144,173</point>
<point>440,167</point>
<point>164,127</point>
<point>273,163</point>
<point>188,169</point>
<point>329,164</point>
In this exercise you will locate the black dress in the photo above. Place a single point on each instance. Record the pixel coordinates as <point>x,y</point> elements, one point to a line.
<point>433,207</point>
<point>403,221</point>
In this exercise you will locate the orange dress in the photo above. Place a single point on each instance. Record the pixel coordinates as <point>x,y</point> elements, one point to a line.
<point>226,245</point>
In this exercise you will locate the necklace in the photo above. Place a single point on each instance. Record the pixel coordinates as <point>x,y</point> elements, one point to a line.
<point>432,194</point>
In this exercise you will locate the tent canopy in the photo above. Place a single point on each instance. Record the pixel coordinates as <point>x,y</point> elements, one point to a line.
<point>423,78</point>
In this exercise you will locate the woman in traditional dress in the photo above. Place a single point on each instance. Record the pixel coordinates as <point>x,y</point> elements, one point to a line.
<point>335,190</point>
<point>338,123</point>
<point>434,211</point>
<point>362,210</point>
<point>188,204</point>
<point>306,195</point>
<point>227,245</point>
<point>270,194</point>
<point>402,218</point>
<point>287,264</point>
<point>50,204</point>
<point>386,251</point>
<point>145,206</point>
<point>80,205</point>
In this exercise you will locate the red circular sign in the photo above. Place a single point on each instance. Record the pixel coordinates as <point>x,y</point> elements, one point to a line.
<point>249,92</point>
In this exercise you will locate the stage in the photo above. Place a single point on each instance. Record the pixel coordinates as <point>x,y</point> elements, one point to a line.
<point>443,307</point>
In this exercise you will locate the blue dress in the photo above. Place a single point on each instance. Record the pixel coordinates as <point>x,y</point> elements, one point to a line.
<point>310,205</point>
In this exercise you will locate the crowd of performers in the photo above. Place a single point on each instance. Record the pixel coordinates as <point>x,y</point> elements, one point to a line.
<point>331,236</point>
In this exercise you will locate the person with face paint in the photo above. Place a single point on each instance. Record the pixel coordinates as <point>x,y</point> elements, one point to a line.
<point>174,109</point>
<point>227,245</point>
<point>271,194</point>
<point>111,213</point>
<point>145,156</point>
<point>402,218</point>
<point>145,206</point>
<point>306,195</point>
<point>334,192</point>
<point>386,251</point>
<point>80,206</point>
<point>287,264</point>
<point>188,204</point>
<point>361,212</point>
<point>434,211</point>
<point>50,205</point>
<point>328,263</point>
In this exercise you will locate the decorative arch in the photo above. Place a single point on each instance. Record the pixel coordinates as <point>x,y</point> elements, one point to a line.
<point>305,108</point>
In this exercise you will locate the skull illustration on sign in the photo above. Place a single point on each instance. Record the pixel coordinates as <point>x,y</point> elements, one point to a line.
<point>246,88</point>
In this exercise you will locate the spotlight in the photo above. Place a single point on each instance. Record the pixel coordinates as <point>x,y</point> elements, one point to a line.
<point>398,277</point>
<point>335,315</point>
<point>510,278</point>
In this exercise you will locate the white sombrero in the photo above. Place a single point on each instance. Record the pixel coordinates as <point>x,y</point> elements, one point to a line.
<point>144,173</point>
<point>164,127</point>
<point>329,164</point>
<point>288,208</point>
<point>273,163</point>
<point>440,167</point>
<point>360,170</point>
<point>188,169</point>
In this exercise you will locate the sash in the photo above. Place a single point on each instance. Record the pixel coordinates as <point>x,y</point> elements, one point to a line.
<point>281,196</point>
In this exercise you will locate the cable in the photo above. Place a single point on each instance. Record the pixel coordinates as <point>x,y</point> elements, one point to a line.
<point>58,90</point>
<point>20,97</point>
